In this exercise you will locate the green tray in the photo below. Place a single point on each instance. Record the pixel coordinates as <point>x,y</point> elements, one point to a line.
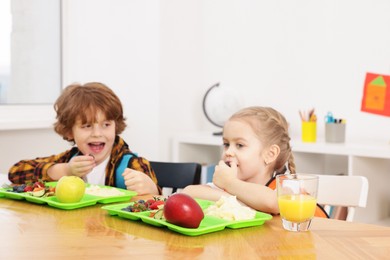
<point>209,224</point>
<point>87,200</point>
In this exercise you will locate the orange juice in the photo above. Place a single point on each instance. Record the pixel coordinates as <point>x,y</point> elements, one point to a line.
<point>297,208</point>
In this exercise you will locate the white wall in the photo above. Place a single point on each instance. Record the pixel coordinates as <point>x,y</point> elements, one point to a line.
<point>161,56</point>
<point>296,55</point>
<point>181,71</point>
<point>21,144</point>
<point>117,43</point>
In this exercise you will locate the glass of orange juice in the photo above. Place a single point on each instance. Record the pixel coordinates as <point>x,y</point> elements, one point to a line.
<point>297,200</point>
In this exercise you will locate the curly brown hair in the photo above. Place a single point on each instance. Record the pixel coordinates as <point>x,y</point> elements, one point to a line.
<point>82,102</point>
<point>271,127</point>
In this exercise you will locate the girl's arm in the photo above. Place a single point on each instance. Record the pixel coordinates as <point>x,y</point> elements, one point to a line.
<point>204,192</point>
<point>254,195</point>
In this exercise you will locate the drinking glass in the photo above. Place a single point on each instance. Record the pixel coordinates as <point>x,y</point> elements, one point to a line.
<point>297,200</point>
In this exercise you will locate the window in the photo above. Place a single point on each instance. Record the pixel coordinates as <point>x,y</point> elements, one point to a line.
<point>30,58</point>
<point>5,47</point>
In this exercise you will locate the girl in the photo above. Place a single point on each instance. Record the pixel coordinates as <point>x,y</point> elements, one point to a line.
<point>256,149</point>
<point>90,117</point>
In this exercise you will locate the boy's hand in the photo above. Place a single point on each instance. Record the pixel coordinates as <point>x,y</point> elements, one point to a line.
<point>139,182</point>
<point>81,165</point>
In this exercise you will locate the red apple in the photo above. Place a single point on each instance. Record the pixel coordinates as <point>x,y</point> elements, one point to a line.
<point>182,210</point>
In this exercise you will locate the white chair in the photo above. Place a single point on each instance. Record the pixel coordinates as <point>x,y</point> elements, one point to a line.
<point>341,190</point>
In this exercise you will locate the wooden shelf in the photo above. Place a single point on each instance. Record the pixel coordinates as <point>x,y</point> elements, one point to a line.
<point>363,149</point>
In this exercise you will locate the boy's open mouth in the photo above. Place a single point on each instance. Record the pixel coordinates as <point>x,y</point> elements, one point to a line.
<point>96,147</point>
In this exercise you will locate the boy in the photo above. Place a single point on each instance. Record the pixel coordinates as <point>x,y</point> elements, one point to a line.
<point>90,117</point>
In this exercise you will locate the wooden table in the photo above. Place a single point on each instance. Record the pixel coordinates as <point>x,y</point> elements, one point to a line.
<point>30,230</point>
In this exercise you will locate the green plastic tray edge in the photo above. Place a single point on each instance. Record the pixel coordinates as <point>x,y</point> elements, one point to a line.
<point>201,230</point>
<point>91,200</point>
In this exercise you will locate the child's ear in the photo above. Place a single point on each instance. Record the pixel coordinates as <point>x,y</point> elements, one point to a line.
<point>272,153</point>
<point>69,136</point>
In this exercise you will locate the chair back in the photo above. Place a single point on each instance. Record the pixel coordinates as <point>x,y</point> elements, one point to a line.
<point>176,175</point>
<point>343,190</point>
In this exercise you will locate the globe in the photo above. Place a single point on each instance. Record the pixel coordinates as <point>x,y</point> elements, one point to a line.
<point>219,104</point>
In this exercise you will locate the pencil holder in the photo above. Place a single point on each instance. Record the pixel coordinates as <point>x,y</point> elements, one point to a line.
<point>335,132</point>
<point>309,131</point>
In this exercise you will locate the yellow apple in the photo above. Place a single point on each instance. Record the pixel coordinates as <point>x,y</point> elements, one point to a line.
<point>70,189</point>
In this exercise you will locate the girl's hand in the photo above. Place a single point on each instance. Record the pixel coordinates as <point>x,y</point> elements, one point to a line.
<point>81,165</point>
<point>139,182</point>
<point>224,174</point>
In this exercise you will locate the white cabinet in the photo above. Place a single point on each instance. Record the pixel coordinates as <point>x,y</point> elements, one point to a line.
<point>367,159</point>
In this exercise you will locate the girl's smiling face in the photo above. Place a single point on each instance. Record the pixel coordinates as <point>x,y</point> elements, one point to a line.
<point>242,146</point>
<point>95,137</point>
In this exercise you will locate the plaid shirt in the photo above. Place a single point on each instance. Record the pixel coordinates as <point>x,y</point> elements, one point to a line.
<point>34,170</point>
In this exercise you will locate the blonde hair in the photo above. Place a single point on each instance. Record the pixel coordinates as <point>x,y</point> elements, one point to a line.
<point>82,102</point>
<point>271,127</point>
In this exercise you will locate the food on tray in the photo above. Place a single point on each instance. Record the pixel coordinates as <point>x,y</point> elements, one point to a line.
<point>12,191</point>
<point>38,192</point>
<point>158,214</point>
<point>70,189</point>
<point>96,190</point>
<point>182,210</point>
<point>208,224</point>
<point>229,208</point>
<point>36,189</point>
<point>142,205</point>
